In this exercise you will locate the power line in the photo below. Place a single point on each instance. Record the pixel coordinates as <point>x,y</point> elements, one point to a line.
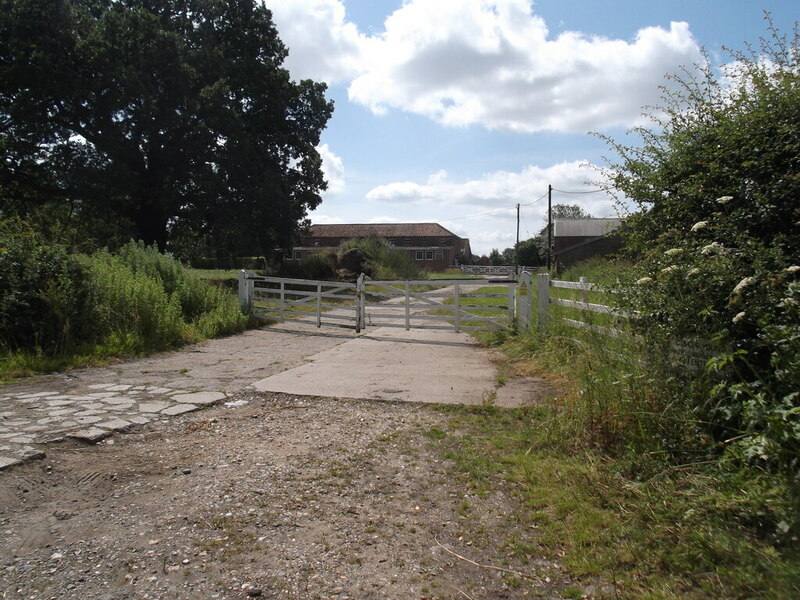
<point>583,192</point>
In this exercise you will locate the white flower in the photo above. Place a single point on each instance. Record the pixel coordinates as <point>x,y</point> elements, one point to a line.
<point>644,280</point>
<point>669,269</point>
<point>739,317</point>
<point>788,302</point>
<point>743,284</point>
<point>673,251</point>
<point>793,269</point>
<point>724,199</point>
<point>699,225</point>
<point>694,271</point>
<point>712,248</point>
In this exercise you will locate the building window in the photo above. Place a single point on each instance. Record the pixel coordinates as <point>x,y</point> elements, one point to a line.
<point>298,254</point>
<point>420,255</point>
<point>429,255</point>
<point>439,255</point>
<point>316,243</point>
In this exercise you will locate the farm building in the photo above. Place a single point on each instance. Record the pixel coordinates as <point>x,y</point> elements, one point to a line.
<point>575,240</point>
<point>431,245</point>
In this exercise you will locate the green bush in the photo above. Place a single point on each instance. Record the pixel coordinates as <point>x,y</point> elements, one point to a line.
<point>56,304</point>
<point>717,239</point>
<point>383,261</point>
<point>45,294</point>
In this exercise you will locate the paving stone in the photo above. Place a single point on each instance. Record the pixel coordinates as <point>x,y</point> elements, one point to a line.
<point>119,401</point>
<point>119,388</point>
<point>59,403</point>
<point>8,461</point>
<point>106,394</point>
<point>22,439</point>
<point>202,398</point>
<point>153,407</point>
<point>159,390</point>
<point>30,453</point>
<point>88,420</point>
<point>98,409</point>
<point>115,424</point>
<point>100,386</point>
<point>139,419</point>
<point>38,395</point>
<point>179,409</point>
<point>91,435</point>
<point>62,411</point>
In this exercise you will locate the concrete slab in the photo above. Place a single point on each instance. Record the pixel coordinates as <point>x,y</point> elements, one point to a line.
<point>394,364</point>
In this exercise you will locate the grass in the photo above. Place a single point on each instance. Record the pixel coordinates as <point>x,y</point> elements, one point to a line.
<point>216,274</point>
<point>678,535</point>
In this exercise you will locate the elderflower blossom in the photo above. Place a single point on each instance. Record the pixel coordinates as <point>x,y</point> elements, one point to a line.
<point>644,280</point>
<point>699,225</point>
<point>743,284</point>
<point>724,199</point>
<point>739,317</point>
<point>673,251</point>
<point>669,269</point>
<point>694,271</point>
<point>793,269</point>
<point>712,248</point>
<point>788,303</point>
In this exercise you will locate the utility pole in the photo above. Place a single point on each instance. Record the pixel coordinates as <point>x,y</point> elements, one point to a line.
<point>549,225</point>
<point>516,247</point>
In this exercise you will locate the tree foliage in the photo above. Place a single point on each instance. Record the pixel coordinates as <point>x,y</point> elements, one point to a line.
<point>168,121</point>
<point>717,231</point>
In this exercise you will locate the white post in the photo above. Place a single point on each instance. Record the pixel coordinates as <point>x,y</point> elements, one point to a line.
<point>584,293</point>
<point>408,308</point>
<point>512,293</point>
<point>457,306</point>
<point>245,301</point>
<point>544,300</point>
<point>360,302</point>
<point>283,298</point>
<point>319,305</point>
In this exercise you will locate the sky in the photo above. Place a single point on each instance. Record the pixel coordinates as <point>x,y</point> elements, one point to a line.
<point>455,111</point>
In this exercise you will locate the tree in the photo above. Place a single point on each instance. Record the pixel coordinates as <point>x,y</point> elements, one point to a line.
<point>716,183</point>
<point>157,119</point>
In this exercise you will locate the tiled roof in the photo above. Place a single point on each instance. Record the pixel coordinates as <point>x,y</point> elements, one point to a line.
<point>380,230</point>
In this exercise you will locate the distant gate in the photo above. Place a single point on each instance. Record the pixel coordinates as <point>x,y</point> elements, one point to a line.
<point>459,305</point>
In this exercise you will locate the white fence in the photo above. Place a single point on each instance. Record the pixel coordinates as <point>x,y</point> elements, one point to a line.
<point>459,305</point>
<point>546,300</point>
<point>494,270</point>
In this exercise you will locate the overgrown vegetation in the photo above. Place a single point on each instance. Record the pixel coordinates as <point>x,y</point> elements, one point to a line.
<point>58,309</point>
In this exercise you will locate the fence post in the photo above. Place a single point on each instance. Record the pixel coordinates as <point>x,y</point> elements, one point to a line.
<point>360,303</point>
<point>544,300</point>
<point>319,305</point>
<point>283,299</point>
<point>245,287</point>
<point>525,306</point>
<point>584,293</point>
<point>457,307</point>
<point>408,308</point>
<point>512,294</point>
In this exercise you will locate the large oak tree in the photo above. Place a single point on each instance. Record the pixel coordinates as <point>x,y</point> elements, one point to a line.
<point>169,121</point>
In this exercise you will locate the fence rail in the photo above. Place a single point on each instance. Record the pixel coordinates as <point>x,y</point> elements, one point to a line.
<point>546,300</point>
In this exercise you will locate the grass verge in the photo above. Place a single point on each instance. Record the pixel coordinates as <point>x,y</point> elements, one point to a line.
<point>682,533</point>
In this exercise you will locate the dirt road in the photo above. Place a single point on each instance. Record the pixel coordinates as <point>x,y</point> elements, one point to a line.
<point>266,494</point>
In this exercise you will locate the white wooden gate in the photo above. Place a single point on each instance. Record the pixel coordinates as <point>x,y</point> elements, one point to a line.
<point>459,305</point>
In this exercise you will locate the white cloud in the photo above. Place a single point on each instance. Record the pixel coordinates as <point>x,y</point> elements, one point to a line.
<point>322,45</point>
<point>487,62</point>
<point>495,190</point>
<point>333,169</point>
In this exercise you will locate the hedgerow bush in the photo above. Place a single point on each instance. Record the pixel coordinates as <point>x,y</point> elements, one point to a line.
<point>56,304</point>
<point>45,294</point>
<point>717,242</point>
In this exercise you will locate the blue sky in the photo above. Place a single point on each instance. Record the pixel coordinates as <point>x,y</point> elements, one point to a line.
<point>454,111</point>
